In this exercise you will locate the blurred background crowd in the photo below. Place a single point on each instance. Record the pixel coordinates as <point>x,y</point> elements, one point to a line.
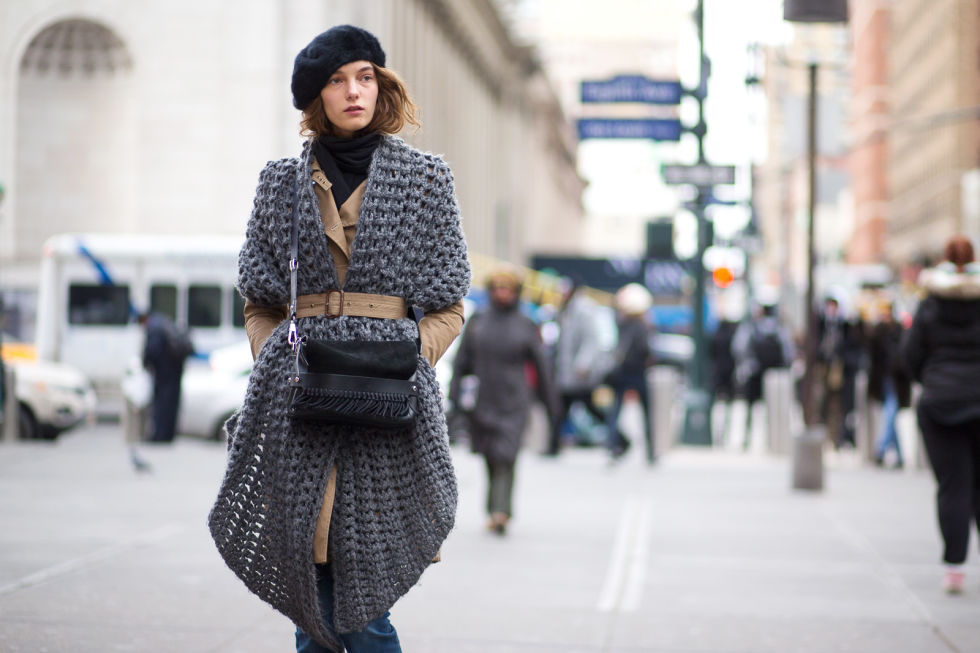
<point>846,161</point>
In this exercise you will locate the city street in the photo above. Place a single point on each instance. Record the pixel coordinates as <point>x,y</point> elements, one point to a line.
<point>708,551</point>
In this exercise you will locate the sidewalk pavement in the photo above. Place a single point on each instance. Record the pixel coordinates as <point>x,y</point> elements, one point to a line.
<point>707,551</point>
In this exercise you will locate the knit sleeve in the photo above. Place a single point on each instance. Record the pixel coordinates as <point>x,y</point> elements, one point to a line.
<point>260,270</point>
<point>442,270</point>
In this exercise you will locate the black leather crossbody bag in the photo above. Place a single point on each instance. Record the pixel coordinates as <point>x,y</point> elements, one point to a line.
<point>357,382</point>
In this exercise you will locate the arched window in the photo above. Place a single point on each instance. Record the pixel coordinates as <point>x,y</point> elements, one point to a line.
<point>77,126</point>
<point>75,47</point>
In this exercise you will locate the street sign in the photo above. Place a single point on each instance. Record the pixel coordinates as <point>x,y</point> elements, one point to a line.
<point>632,88</point>
<point>654,129</point>
<point>700,174</point>
<point>815,11</point>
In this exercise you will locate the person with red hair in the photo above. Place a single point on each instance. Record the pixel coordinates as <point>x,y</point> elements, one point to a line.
<point>942,352</point>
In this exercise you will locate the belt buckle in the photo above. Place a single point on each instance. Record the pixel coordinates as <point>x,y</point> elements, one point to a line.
<point>340,304</point>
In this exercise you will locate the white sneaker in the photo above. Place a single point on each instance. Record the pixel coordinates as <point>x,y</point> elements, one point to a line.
<point>953,581</point>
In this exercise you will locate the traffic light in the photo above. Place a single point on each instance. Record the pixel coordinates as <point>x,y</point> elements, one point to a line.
<point>722,276</point>
<point>660,239</point>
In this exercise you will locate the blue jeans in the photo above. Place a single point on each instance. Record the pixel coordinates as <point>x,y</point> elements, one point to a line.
<point>889,435</point>
<point>378,636</point>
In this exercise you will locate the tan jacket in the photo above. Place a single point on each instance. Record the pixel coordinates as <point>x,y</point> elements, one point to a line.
<point>437,329</point>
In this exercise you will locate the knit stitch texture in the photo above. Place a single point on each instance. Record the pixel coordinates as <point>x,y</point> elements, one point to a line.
<point>396,491</point>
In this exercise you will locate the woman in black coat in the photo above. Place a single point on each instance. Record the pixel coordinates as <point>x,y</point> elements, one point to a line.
<point>942,352</point>
<point>497,347</point>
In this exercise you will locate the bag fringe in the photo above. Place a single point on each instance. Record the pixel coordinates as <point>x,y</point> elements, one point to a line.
<point>343,403</point>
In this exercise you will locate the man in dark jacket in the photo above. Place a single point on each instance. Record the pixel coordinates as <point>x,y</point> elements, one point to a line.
<point>164,353</point>
<point>840,349</point>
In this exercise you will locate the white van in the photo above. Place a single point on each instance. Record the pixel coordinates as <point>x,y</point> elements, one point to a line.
<point>93,287</point>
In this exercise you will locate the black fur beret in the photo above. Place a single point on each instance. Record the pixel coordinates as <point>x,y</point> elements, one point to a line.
<point>325,54</point>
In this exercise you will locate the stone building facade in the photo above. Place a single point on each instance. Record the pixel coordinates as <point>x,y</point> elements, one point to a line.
<point>145,117</point>
<point>934,135</point>
<point>870,23</point>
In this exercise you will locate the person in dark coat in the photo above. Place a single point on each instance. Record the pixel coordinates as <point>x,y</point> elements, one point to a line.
<point>840,350</point>
<point>163,357</point>
<point>497,347</point>
<point>942,352</point>
<point>723,388</point>
<point>888,382</point>
<point>631,360</point>
<point>722,361</point>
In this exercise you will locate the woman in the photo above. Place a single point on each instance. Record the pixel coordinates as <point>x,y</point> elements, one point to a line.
<point>942,352</point>
<point>498,345</point>
<point>888,382</point>
<point>631,360</point>
<point>331,524</point>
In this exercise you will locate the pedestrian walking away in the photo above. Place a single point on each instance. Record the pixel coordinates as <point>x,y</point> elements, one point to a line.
<point>942,352</point>
<point>760,344</point>
<point>165,350</point>
<point>497,346</point>
<point>331,523</point>
<point>631,360</point>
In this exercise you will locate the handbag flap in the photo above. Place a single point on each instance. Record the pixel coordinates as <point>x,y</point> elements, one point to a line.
<point>388,360</point>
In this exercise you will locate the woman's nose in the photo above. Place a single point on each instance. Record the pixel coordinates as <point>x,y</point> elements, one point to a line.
<point>352,89</point>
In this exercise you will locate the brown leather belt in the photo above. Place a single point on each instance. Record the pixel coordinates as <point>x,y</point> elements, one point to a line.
<point>335,303</point>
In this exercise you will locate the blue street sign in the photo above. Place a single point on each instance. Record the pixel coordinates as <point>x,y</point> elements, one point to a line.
<point>632,88</point>
<point>654,129</point>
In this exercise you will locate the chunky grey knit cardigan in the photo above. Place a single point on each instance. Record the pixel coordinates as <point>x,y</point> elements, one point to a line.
<point>396,492</point>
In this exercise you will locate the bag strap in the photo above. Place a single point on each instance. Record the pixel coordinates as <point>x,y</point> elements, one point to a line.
<point>294,337</point>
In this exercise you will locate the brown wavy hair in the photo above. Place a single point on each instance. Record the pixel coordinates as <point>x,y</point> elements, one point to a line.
<point>959,251</point>
<point>393,110</point>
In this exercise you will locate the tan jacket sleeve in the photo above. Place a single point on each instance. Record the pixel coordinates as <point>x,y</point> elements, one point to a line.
<point>260,322</point>
<point>438,329</point>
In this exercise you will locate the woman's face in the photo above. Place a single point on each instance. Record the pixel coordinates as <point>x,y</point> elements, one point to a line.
<point>503,295</point>
<point>350,96</point>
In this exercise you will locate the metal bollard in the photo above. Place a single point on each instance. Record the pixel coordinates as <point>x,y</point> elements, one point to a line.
<point>11,411</point>
<point>663,381</point>
<point>778,394</point>
<point>868,415</point>
<point>808,459</point>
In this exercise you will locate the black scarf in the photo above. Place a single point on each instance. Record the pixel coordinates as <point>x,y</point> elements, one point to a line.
<point>345,162</point>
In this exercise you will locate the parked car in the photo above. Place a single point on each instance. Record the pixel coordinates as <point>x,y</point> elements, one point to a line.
<point>51,397</point>
<point>211,393</point>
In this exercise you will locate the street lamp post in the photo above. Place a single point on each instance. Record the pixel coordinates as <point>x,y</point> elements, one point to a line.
<point>812,11</point>
<point>697,409</point>
<point>809,382</point>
